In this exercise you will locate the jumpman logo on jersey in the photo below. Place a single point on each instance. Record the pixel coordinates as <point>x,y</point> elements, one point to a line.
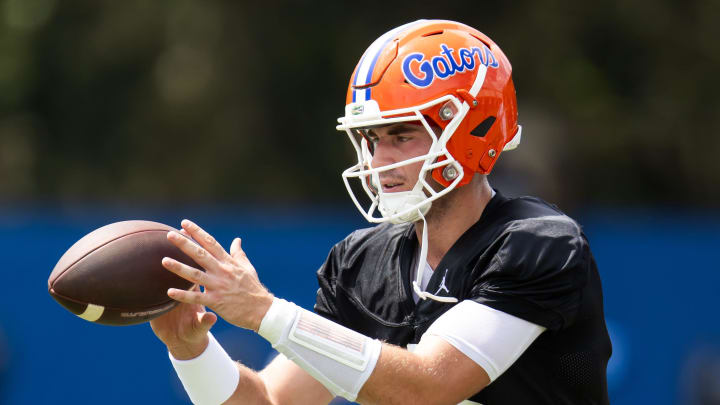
<point>442,284</point>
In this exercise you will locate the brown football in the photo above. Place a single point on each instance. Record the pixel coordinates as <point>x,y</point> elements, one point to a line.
<point>114,274</point>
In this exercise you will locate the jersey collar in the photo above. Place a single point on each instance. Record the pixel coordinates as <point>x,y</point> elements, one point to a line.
<point>453,259</point>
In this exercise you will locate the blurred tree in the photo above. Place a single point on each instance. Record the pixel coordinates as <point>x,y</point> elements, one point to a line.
<point>233,101</point>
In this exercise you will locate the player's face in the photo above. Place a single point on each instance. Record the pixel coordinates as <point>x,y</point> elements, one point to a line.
<point>395,143</point>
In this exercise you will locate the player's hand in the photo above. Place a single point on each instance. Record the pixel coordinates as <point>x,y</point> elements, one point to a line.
<point>231,285</point>
<point>184,329</point>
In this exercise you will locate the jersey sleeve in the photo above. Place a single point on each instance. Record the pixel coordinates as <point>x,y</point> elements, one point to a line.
<point>325,300</point>
<point>537,272</point>
<point>496,345</point>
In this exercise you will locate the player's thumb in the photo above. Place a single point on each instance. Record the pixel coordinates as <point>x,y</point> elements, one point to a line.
<point>235,249</point>
<point>207,320</point>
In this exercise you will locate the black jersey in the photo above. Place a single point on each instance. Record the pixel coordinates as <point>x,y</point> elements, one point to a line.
<point>523,257</point>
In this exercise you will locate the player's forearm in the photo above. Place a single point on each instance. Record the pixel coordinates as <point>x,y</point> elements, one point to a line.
<point>212,377</point>
<point>402,377</point>
<point>436,372</point>
<point>251,389</point>
<point>397,379</point>
<point>347,363</point>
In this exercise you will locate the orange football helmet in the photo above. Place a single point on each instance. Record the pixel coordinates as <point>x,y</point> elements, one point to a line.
<point>443,74</point>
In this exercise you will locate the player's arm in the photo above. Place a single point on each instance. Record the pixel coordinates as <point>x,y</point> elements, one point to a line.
<point>289,384</point>
<point>436,373</point>
<point>451,364</point>
<point>210,376</point>
<point>280,383</point>
<point>463,351</point>
<point>454,360</point>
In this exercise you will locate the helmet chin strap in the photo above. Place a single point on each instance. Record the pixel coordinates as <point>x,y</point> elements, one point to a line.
<point>390,204</point>
<point>393,203</point>
<point>421,264</point>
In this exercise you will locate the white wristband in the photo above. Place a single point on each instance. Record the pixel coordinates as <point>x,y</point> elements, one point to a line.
<point>210,378</point>
<point>339,358</point>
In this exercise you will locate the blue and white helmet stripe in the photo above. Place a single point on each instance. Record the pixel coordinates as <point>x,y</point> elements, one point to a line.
<point>364,72</point>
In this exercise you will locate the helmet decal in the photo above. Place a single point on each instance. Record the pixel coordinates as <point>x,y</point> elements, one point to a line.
<point>364,72</point>
<point>444,65</point>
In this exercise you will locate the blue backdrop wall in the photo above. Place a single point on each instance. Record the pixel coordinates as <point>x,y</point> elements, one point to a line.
<point>660,271</point>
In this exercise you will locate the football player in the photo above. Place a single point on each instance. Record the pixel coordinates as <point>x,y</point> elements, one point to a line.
<point>459,295</point>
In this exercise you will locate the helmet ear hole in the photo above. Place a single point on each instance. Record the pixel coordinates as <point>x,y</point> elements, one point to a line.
<point>482,129</point>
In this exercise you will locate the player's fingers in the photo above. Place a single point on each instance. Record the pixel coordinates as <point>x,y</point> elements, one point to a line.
<point>205,239</point>
<point>196,252</point>
<point>187,297</point>
<point>189,273</point>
